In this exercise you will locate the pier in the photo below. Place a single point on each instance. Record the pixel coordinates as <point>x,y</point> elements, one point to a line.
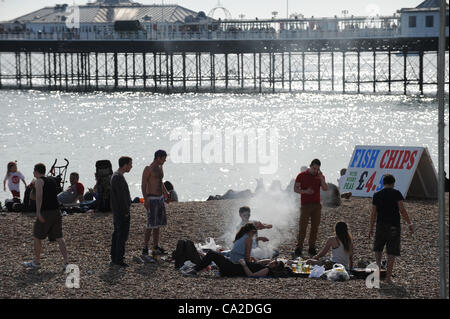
<point>343,55</point>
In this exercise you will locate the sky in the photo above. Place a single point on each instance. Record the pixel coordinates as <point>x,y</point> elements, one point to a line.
<point>10,9</point>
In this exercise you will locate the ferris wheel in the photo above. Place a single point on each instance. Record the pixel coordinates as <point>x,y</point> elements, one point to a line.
<point>219,8</point>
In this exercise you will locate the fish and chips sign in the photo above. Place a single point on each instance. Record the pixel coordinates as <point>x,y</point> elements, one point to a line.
<point>412,168</point>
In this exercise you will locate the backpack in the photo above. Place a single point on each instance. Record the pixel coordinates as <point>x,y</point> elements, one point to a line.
<point>103,174</point>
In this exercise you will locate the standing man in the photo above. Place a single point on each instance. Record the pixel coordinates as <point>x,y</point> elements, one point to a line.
<point>120,206</point>
<point>387,205</point>
<point>154,191</point>
<point>49,220</point>
<point>308,184</point>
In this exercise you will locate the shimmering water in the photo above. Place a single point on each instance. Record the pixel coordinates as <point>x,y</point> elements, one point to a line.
<point>41,126</point>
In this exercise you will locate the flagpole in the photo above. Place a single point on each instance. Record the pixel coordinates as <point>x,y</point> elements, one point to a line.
<point>441,150</point>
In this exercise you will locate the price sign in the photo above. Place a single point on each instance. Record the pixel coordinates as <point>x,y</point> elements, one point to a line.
<point>369,164</point>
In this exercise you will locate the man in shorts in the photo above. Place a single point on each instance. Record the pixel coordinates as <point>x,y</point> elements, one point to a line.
<point>387,205</point>
<point>48,221</point>
<point>154,191</point>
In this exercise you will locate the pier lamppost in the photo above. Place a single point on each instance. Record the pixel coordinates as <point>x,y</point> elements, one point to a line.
<point>287,9</point>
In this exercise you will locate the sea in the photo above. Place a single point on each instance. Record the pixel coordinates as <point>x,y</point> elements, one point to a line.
<point>216,142</point>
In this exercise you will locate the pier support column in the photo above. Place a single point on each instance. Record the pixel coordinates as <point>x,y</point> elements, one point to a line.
<point>66,71</point>
<point>226,70</point>
<point>290,71</point>
<point>116,72</point>
<point>359,71</point>
<point>332,71</point>
<point>0,70</point>
<point>60,70</point>
<point>212,62</point>
<point>318,70</point>
<point>106,70</point>
<point>404,72</point>
<point>343,72</point>
<point>126,70</point>
<point>167,73</point>
<point>273,73</point>
<point>242,70</point>
<point>421,72</point>
<point>254,71</point>
<point>55,70</point>
<point>184,71</point>
<point>374,71</point>
<point>155,71</point>
<point>282,70</point>
<point>196,72</point>
<point>260,74</point>
<point>303,70</point>
<point>389,71</point>
<point>96,70</point>
<point>171,70</point>
<point>144,70</point>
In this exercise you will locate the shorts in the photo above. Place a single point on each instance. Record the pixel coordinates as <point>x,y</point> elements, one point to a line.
<point>156,214</point>
<point>389,236</point>
<point>52,227</point>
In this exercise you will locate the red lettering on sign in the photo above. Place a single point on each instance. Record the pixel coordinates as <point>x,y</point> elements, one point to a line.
<point>382,165</point>
<point>399,158</point>
<point>412,159</point>
<point>392,158</point>
<point>405,159</point>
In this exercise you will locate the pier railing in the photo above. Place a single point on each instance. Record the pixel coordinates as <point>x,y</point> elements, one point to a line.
<point>368,33</point>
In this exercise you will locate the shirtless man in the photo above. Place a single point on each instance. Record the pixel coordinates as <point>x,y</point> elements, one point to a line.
<point>154,191</point>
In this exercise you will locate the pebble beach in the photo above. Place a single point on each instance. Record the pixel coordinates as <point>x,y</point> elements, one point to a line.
<point>88,236</point>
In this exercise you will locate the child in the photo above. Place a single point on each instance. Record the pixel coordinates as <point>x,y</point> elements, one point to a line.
<point>13,176</point>
<point>244,213</point>
<point>341,246</point>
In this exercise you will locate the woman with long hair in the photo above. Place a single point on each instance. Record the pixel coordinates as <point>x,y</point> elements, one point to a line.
<point>240,264</point>
<point>341,246</point>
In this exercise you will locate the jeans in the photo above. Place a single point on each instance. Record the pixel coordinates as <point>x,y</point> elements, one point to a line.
<point>309,212</point>
<point>119,238</point>
<point>226,267</point>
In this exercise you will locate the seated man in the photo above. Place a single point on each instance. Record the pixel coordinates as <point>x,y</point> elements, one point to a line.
<point>74,193</point>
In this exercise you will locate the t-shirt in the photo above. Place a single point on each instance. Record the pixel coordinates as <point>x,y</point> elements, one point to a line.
<point>386,201</point>
<point>71,194</point>
<point>254,222</point>
<point>306,181</point>
<point>14,181</point>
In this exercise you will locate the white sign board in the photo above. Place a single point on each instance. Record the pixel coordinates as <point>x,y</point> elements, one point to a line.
<point>369,164</point>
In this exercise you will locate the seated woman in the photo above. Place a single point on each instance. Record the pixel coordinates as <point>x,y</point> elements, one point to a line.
<point>341,246</point>
<point>245,265</point>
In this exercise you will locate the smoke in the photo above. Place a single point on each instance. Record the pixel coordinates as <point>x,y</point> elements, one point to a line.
<point>275,206</point>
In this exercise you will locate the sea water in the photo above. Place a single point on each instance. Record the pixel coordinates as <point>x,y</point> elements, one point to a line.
<point>41,126</point>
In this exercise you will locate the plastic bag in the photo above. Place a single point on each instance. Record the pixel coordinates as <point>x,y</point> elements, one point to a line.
<point>317,271</point>
<point>338,273</point>
<point>210,244</point>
